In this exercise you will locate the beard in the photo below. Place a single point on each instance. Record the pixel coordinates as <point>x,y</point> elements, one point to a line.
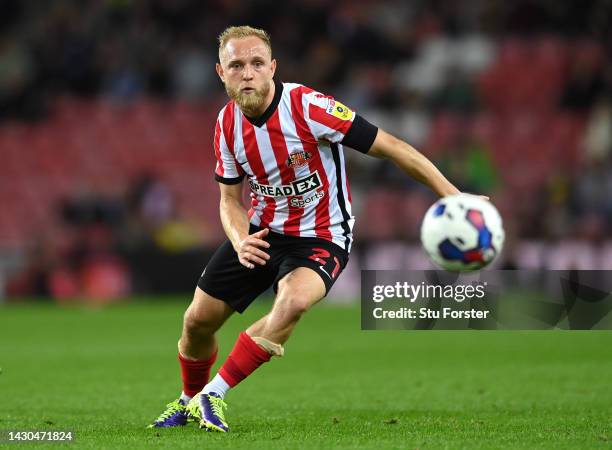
<point>250,104</point>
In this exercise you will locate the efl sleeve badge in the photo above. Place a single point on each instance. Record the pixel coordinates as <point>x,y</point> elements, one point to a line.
<point>337,109</point>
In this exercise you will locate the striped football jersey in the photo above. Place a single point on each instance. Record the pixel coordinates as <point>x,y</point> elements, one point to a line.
<point>292,157</point>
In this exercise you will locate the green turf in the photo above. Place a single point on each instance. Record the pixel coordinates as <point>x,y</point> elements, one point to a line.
<point>106,373</point>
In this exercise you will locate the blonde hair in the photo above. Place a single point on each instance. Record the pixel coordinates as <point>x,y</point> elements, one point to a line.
<point>243,32</point>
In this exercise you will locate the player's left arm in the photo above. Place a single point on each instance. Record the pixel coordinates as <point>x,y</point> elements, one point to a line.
<point>333,121</point>
<point>412,162</point>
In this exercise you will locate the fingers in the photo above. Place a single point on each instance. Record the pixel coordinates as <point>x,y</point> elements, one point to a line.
<point>256,239</point>
<point>254,258</point>
<point>246,263</point>
<point>257,242</point>
<point>261,233</point>
<point>250,250</point>
<point>247,258</point>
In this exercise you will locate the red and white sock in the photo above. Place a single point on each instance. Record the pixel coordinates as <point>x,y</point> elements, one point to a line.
<point>195,374</point>
<point>245,357</point>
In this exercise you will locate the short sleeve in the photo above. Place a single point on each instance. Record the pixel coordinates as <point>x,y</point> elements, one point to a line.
<point>335,122</point>
<point>329,119</point>
<point>227,169</point>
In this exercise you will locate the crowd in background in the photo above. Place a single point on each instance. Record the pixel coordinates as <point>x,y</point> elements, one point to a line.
<point>128,48</point>
<point>424,70</point>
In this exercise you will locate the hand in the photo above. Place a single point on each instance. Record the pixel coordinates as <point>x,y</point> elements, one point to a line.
<point>249,252</point>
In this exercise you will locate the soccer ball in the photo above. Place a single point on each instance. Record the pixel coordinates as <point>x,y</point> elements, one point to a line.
<point>462,232</point>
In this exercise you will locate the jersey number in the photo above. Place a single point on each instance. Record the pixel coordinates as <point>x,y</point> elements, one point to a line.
<point>321,255</point>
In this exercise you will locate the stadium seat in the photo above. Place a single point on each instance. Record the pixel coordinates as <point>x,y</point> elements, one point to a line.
<point>101,145</point>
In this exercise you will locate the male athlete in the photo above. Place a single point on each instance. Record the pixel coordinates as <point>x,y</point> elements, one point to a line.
<point>288,141</point>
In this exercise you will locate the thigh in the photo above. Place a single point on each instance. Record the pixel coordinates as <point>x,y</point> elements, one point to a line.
<point>323,257</point>
<point>207,310</point>
<point>225,279</point>
<point>302,285</point>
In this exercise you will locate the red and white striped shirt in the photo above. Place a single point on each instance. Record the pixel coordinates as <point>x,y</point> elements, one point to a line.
<point>293,158</point>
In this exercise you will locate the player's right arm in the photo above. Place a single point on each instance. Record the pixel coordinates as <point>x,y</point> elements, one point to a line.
<point>236,225</point>
<point>230,175</point>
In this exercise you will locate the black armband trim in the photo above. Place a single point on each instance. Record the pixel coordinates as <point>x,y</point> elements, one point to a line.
<point>361,135</point>
<point>236,180</point>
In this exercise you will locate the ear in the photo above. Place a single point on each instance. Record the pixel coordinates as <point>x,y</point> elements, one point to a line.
<point>220,72</point>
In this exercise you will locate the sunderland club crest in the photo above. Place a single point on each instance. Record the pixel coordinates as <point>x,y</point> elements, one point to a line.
<point>299,158</point>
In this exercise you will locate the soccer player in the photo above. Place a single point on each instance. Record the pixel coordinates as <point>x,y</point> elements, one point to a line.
<point>288,141</point>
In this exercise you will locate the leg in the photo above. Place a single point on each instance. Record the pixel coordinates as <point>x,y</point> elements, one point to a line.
<point>202,319</point>
<point>307,269</point>
<point>224,278</point>
<point>197,353</point>
<point>198,344</point>
<point>298,291</point>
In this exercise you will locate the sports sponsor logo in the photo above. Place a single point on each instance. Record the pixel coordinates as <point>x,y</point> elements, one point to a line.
<point>301,202</point>
<point>301,186</point>
<point>338,110</point>
<point>299,158</point>
<point>325,272</point>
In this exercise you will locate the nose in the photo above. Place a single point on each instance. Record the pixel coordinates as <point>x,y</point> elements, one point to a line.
<point>247,73</point>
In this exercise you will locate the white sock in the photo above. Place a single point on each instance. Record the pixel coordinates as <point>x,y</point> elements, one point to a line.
<point>185,398</point>
<point>217,385</point>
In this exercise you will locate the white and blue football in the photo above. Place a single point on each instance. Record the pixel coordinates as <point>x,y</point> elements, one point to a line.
<point>462,232</point>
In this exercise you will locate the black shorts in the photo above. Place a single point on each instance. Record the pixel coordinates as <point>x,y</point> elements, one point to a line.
<point>228,280</point>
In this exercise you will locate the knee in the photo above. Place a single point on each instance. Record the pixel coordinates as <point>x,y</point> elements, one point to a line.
<point>292,302</point>
<point>198,324</point>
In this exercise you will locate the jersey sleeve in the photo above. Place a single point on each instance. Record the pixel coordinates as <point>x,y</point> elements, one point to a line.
<point>335,122</point>
<point>227,170</point>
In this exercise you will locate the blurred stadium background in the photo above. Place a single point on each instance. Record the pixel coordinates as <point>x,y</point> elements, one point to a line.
<point>107,110</point>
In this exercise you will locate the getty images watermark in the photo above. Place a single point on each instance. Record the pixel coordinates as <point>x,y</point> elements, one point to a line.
<point>513,299</point>
<point>411,293</point>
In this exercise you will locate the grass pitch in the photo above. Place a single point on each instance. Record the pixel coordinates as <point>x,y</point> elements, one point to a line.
<point>105,374</point>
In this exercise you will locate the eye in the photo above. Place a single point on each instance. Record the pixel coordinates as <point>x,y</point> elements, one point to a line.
<point>258,63</point>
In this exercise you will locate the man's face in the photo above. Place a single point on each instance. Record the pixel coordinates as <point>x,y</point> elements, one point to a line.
<point>246,70</point>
